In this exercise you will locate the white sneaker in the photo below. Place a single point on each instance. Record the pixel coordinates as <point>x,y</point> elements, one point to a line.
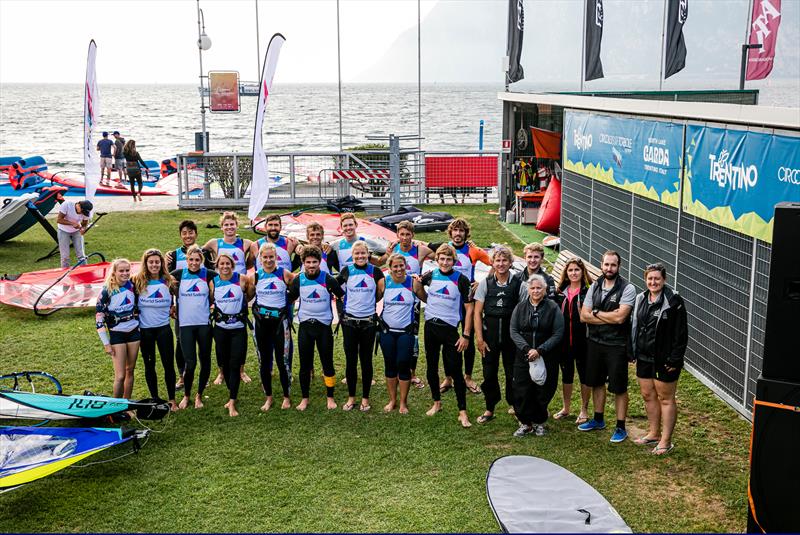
<point>523,430</point>
<point>539,430</point>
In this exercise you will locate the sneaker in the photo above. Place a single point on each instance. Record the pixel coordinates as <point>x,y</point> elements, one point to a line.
<point>592,425</point>
<point>539,430</point>
<point>523,430</point>
<point>619,435</point>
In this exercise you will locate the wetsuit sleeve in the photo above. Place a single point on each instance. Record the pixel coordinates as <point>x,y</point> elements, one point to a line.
<point>378,274</point>
<point>211,274</point>
<point>176,274</point>
<point>426,279</point>
<point>141,162</point>
<point>102,302</point>
<point>333,260</point>
<point>333,286</point>
<point>557,332</point>
<point>342,277</point>
<point>293,292</point>
<point>434,245</point>
<point>171,263</point>
<point>680,335</point>
<point>464,288</point>
<point>517,317</point>
<point>296,262</point>
<point>208,261</point>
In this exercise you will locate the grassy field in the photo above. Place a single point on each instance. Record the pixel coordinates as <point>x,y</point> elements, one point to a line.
<point>337,471</point>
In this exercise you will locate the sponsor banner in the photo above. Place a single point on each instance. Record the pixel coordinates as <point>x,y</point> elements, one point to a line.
<point>593,29</point>
<point>632,154</point>
<point>675,45</point>
<point>735,178</point>
<point>91,112</point>
<point>516,28</point>
<point>223,89</point>
<point>764,24</point>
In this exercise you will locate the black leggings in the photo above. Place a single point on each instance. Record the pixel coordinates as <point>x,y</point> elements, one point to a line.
<point>178,351</point>
<point>161,337</point>
<point>531,400</point>
<point>231,347</point>
<point>359,343</point>
<point>491,368</point>
<point>134,176</point>
<point>397,353</point>
<point>469,358</point>
<point>442,338</point>
<point>195,343</point>
<point>309,334</point>
<point>273,338</point>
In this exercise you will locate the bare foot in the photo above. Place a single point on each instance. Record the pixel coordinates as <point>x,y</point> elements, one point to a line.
<point>245,378</point>
<point>389,407</point>
<point>464,419</point>
<point>198,402</point>
<point>173,407</point>
<point>437,406</point>
<point>267,404</point>
<point>303,405</point>
<point>403,409</point>
<point>331,404</point>
<point>219,379</point>
<point>287,403</point>
<point>184,402</point>
<point>232,412</point>
<point>446,385</point>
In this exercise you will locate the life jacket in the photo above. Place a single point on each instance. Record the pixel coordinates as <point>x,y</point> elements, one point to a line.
<point>501,300</point>
<point>26,173</point>
<point>120,308</point>
<point>168,167</point>
<point>612,335</point>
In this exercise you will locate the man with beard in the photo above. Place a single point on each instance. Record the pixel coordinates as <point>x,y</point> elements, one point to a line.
<point>315,233</point>
<point>467,256</point>
<point>606,311</point>
<point>534,254</point>
<point>284,245</point>
<point>343,248</point>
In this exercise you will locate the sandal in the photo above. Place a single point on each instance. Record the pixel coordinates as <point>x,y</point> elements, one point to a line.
<point>644,441</point>
<point>483,418</point>
<point>364,408</point>
<point>581,420</point>
<point>417,383</point>
<point>444,387</point>
<point>348,407</point>
<point>560,415</point>
<point>474,389</point>
<point>663,451</point>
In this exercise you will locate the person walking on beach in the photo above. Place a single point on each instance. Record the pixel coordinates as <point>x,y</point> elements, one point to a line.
<point>106,148</point>
<point>132,160</point>
<point>73,219</point>
<point>119,159</point>
<point>606,310</point>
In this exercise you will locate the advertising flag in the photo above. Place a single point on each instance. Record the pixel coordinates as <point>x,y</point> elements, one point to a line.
<point>259,192</point>
<point>675,45</point>
<point>764,23</point>
<point>593,67</point>
<point>516,25</point>
<point>91,112</point>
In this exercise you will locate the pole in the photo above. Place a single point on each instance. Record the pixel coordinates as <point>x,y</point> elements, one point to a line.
<point>419,75</point>
<point>202,87</point>
<point>663,47</point>
<point>583,43</point>
<point>480,136</point>
<point>743,69</point>
<point>339,63</point>
<point>394,170</point>
<point>258,47</point>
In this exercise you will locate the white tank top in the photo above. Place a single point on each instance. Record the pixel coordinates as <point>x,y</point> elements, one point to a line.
<point>193,305</point>
<point>345,252</point>
<point>270,288</point>
<point>444,299</point>
<point>120,303</point>
<point>315,300</point>
<point>281,247</point>
<point>180,259</point>
<point>229,299</point>
<point>412,259</point>
<point>323,264</point>
<point>398,303</point>
<point>463,262</point>
<point>154,305</point>
<point>359,298</point>
<point>236,250</point>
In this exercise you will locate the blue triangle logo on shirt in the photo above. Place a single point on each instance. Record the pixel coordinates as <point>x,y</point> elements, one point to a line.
<point>313,295</point>
<point>399,298</point>
<point>228,295</point>
<point>443,290</point>
<point>126,301</point>
<point>272,286</point>
<point>362,284</point>
<point>194,288</point>
<point>156,295</point>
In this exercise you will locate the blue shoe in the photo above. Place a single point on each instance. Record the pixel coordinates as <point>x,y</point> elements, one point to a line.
<point>619,435</point>
<point>592,425</point>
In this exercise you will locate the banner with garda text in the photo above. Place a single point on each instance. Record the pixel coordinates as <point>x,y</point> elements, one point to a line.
<point>91,112</point>
<point>593,67</point>
<point>636,155</point>
<point>675,45</point>
<point>259,192</point>
<point>764,23</point>
<point>735,178</point>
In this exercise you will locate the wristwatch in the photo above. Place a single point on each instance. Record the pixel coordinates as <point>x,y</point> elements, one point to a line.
<point>594,312</point>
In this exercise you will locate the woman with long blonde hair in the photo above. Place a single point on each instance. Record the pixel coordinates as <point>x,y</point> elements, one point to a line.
<point>153,286</point>
<point>117,322</point>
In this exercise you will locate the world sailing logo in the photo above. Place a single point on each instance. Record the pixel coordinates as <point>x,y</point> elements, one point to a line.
<point>443,291</point>
<point>731,176</point>
<point>228,295</point>
<point>399,299</point>
<point>156,295</point>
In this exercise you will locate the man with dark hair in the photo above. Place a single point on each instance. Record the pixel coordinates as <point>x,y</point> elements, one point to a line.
<point>606,311</point>
<point>285,246</point>
<point>73,218</point>
<point>119,159</point>
<point>106,148</point>
<point>534,254</point>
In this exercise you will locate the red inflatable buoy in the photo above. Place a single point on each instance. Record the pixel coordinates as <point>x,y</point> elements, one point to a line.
<point>550,211</point>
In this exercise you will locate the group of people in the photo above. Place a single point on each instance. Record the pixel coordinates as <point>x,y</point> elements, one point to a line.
<point>529,323</point>
<point>122,156</point>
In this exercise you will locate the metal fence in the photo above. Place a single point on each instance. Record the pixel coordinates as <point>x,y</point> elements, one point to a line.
<point>222,180</point>
<point>722,275</point>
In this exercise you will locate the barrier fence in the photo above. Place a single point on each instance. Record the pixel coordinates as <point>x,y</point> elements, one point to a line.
<point>222,180</point>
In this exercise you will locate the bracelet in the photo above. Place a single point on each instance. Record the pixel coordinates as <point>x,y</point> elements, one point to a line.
<point>467,336</point>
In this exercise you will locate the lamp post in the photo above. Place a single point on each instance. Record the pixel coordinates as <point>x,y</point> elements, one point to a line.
<point>743,69</point>
<point>203,43</point>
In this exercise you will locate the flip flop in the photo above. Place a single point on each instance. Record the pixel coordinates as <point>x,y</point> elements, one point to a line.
<point>364,408</point>
<point>348,407</point>
<point>663,451</point>
<point>560,415</point>
<point>581,420</point>
<point>445,387</point>
<point>474,389</point>
<point>644,441</point>
<point>417,383</point>
<point>483,418</point>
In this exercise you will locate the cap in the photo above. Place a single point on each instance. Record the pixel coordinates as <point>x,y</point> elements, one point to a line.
<point>116,132</point>
<point>105,134</point>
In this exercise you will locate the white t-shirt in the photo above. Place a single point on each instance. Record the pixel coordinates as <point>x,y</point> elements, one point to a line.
<point>70,214</point>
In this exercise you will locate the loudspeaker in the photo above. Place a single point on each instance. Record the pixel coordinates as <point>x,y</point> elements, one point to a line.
<point>781,354</point>
<point>774,462</point>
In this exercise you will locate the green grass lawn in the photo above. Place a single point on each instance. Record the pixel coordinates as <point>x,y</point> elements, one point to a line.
<point>337,471</point>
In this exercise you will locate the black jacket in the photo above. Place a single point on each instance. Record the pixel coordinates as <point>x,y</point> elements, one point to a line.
<point>576,343</point>
<point>672,331</point>
<point>540,328</point>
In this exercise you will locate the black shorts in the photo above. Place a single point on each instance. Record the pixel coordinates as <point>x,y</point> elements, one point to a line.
<point>118,337</point>
<point>607,364</point>
<point>657,371</point>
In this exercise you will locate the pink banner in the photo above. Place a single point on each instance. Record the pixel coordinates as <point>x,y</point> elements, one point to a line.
<point>764,23</point>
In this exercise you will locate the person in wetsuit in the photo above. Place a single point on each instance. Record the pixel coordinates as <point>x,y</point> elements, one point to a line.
<point>132,162</point>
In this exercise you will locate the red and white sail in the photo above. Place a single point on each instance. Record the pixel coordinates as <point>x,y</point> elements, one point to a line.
<point>91,112</point>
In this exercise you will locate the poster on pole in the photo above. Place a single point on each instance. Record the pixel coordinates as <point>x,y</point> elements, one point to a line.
<point>224,91</point>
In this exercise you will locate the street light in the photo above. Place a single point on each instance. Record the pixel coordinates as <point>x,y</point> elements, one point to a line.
<point>203,43</point>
